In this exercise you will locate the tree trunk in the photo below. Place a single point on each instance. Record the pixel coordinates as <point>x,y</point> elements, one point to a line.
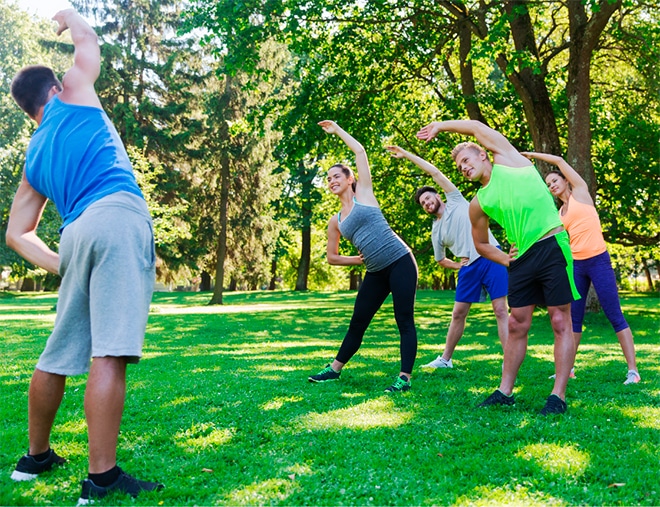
<point>221,250</point>
<point>305,258</point>
<point>306,231</point>
<point>585,34</point>
<point>649,277</point>
<point>592,305</point>
<point>273,275</point>
<point>468,88</point>
<point>355,279</point>
<point>529,83</point>
<point>205,283</point>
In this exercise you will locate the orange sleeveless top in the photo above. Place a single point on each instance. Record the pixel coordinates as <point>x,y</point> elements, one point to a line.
<point>583,226</point>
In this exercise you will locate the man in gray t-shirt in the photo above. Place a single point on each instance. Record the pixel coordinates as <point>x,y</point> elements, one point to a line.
<point>452,230</point>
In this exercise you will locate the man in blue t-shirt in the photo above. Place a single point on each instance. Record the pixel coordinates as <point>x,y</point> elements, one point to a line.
<point>106,259</point>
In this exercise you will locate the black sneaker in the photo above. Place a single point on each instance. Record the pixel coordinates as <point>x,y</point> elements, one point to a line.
<point>401,384</point>
<point>498,398</point>
<point>554,405</point>
<point>325,374</point>
<point>124,484</point>
<point>28,468</point>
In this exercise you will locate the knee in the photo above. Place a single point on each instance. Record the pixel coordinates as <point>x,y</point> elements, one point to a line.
<point>460,313</point>
<point>501,312</point>
<point>519,325</point>
<point>561,321</point>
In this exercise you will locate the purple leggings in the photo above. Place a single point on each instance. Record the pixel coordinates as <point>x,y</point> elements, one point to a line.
<point>597,270</point>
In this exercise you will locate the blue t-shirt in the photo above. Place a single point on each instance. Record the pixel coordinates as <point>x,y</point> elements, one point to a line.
<point>76,157</point>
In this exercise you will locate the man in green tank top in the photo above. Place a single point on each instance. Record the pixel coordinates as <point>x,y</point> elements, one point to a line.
<point>540,263</point>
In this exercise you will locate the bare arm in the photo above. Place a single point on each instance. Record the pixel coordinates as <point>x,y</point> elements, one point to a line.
<point>332,249</point>
<point>364,189</point>
<point>442,181</point>
<point>503,151</point>
<point>24,217</point>
<point>579,187</point>
<point>479,221</point>
<point>78,82</point>
<point>449,264</point>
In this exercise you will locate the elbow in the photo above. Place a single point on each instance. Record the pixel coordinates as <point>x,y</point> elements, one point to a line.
<point>11,238</point>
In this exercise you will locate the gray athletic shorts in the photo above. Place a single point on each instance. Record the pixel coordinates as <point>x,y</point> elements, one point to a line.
<point>107,264</point>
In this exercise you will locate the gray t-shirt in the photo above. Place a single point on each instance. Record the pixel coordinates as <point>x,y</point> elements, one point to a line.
<point>366,227</point>
<point>454,230</point>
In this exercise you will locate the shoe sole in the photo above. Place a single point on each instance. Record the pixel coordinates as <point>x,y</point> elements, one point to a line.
<point>23,476</point>
<point>84,501</point>
<point>321,381</point>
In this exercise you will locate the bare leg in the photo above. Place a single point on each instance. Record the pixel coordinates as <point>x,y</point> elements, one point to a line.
<point>337,366</point>
<point>560,319</point>
<point>502,316</point>
<point>104,405</point>
<point>628,346</point>
<point>456,328</point>
<point>45,397</point>
<point>520,321</point>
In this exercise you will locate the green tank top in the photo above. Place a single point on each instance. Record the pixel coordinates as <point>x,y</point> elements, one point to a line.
<point>518,199</point>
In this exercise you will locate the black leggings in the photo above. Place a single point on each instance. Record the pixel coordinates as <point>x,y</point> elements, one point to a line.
<point>399,278</point>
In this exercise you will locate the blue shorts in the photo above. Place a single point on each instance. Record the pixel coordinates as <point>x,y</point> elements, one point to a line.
<point>482,274</point>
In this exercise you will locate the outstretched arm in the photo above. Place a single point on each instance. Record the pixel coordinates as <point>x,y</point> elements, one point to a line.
<point>503,151</point>
<point>332,248</point>
<point>364,188</point>
<point>78,82</point>
<point>24,217</point>
<point>425,166</point>
<point>579,187</point>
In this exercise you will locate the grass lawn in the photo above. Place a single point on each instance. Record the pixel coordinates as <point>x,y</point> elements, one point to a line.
<point>221,412</point>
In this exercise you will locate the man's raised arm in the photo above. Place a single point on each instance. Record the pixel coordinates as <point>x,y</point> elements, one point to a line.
<point>78,82</point>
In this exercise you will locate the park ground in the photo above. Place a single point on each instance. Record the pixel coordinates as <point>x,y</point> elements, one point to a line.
<point>220,410</point>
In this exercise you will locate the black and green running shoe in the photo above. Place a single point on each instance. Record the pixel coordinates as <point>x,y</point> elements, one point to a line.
<point>325,375</point>
<point>401,384</point>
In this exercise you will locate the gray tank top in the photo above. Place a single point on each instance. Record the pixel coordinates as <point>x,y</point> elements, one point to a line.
<point>367,229</point>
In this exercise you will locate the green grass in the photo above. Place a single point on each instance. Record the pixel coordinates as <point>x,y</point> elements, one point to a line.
<point>221,412</point>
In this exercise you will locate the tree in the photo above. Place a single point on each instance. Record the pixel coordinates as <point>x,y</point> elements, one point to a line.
<point>151,86</point>
<point>23,41</point>
<point>235,183</point>
<point>492,61</point>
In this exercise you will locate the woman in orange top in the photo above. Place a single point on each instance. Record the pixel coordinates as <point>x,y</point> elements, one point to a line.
<point>591,261</point>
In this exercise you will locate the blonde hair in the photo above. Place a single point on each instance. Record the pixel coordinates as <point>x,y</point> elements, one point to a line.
<point>468,145</point>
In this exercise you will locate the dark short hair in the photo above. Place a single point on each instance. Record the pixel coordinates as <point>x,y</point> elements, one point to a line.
<point>348,172</point>
<point>30,87</point>
<point>421,190</point>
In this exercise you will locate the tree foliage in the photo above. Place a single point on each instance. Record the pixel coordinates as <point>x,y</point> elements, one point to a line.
<point>533,70</point>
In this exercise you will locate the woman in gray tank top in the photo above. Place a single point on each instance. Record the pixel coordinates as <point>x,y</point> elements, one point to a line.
<point>391,267</point>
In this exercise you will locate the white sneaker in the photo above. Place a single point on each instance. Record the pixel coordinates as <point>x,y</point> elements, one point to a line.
<point>632,377</point>
<point>571,375</point>
<point>439,363</point>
